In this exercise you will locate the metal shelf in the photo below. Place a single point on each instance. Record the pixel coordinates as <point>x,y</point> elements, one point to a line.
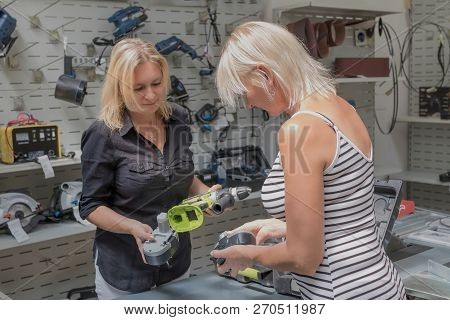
<point>10,168</point>
<point>362,79</point>
<point>411,119</point>
<point>47,231</point>
<point>344,8</point>
<point>419,177</point>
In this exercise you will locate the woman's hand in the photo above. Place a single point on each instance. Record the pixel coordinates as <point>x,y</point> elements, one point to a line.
<point>263,229</point>
<point>237,258</point>
<point>141,233</point>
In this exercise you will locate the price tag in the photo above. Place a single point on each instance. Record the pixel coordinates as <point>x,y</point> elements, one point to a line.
<point>15,227</point>
<point>44,161</point>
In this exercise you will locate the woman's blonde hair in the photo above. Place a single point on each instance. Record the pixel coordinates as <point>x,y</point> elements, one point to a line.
<point>118,89</point>
<point>262,43</point>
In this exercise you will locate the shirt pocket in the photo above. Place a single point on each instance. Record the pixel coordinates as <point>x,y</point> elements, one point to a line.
<point>149,173</point>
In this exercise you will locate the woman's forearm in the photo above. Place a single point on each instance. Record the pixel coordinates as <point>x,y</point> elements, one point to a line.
<point>281,257</point>
<point>197,187</point>
<point>109,220</point>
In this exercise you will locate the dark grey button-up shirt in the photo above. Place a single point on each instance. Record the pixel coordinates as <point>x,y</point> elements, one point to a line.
<point>128,174</point>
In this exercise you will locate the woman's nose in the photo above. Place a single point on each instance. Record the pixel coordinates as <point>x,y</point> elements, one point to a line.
<point>149,94</point>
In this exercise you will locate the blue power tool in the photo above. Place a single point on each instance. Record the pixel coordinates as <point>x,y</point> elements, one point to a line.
<point>7,27</point>
<point>174,43</point>
<point>126,20</point>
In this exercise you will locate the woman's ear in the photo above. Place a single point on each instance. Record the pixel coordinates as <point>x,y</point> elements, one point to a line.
<point>264,71</point>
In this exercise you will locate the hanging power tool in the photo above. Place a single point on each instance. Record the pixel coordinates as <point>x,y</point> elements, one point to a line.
<point>64,198</point>
<point>126,21</point>
<point>174,43</point>
<point>67,87</point>
<point>7,27</point>
<point>20,206</point>
<point>179,95</point>
<point>186,217</point>
<point>205,115</point>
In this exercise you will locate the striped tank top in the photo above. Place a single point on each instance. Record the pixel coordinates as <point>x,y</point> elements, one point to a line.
<point>354,265</point>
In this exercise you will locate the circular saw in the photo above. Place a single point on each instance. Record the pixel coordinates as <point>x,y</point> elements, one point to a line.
<point>19,206</point>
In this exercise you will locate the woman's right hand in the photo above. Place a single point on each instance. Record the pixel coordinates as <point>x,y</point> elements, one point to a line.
<point>263,229</point>
<point>141,233</point>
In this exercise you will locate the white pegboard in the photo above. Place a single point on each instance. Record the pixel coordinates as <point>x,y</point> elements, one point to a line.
<point>428,143</point>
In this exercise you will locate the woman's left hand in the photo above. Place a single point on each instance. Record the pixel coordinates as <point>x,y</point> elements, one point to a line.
<point>237,258</point>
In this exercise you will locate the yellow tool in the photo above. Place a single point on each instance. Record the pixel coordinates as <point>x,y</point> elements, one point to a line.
<point>28,142</point>
<point>188,215</point>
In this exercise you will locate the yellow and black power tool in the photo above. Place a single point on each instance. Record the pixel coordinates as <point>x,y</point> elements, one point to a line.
<point>188,215</point>
<point>185,217</point>
<point>25,139</point>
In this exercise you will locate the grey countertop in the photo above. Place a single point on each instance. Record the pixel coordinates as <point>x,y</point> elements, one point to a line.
<point>209,286</point>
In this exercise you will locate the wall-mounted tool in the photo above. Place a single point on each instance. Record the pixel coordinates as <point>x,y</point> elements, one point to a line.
<point>179,95</point>
<point>173,43</point>
<point>7,27</point>
<point>64,198</point>
<point>127,20</point>
<point>205,115</point>
<point>67,87</point>
<point>188,215</point>
<point>19,206</point>
<point>24,139</point>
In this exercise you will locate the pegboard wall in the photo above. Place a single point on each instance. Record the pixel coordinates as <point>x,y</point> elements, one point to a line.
<point>429,144</point>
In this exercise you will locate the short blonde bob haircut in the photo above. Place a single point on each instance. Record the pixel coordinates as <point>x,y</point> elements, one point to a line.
<point>261,43</point>
<point>118,90</point>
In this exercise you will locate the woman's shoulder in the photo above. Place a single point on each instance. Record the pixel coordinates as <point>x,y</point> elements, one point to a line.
<point>99,129</point>
<point>179,113</point>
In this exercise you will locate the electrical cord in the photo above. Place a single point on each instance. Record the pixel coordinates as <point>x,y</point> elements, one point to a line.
<point>383,30</point>
<point>213,27</point>
<point>102,42</point>
<point>406,50</point>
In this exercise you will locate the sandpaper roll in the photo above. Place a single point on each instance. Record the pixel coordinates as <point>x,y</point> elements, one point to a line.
<point>321,32</point>
<point>304,31</point>
<point>336,32</point>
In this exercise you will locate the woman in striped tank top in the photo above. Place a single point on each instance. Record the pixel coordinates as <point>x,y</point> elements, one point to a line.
<point>320,189</point>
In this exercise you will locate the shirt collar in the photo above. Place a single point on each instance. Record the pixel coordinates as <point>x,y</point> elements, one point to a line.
<point>128,124</point>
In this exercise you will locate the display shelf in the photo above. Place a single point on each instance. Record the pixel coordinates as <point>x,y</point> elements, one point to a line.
<point>44,232</point>
<point>9,168</point>
<point>362,79</point>
<point>412,119</point>
<point>344,8</point>
<point>419,176</point>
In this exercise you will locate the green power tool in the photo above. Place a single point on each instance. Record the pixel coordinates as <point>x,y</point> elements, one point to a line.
<point>188,215</point>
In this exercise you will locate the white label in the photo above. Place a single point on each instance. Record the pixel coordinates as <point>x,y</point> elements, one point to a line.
<point>46,167</point>
<point>17,231</point>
